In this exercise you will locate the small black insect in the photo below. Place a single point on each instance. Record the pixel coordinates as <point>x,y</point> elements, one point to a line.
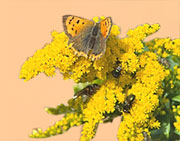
<point>128,103</point>
<point>117,72</point>
<point>88,90</point>
<point>146,136</point>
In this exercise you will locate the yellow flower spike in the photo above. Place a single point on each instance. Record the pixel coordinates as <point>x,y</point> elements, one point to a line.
<point>141,32</point>
<point>169,45</point>
<point>58,55</point>
<point>102,17</point>
<point>165,54</point>
<point>172,84</point>
<point>129,62</point>
<point>144,90</point>
<point>44,60</point>
<point>177,123</point>
<point>160,91</point>
<point>141,75</point>
<point>103,101</point>
<point>178,73</point>
<point>178,107</point>
<point>65,128</point>
<point>159,51</point>
<point>175,67</point>
<point>119,96</point>
<point>115,30</point>
<point>96,19</point>
<point>81,67</point>
<point>167,72</point>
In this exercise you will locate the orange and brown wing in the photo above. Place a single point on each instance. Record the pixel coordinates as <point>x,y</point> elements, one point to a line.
<point>74,25</point>
<point>100,46</point>
<point>105,26</point>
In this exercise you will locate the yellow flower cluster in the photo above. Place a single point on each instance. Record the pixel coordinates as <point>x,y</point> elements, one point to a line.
<point>70,120</point>
<point>141,76</point>
<point>145,84</point>
<point>176,110</point>
<point>103,101</point>
<point>165,46</point>
<point>177,123</point>
<point>111,91</point>
<point>59,55</point>
<point>177,71</point>
<point>54,55</point>
<point>148,78</point>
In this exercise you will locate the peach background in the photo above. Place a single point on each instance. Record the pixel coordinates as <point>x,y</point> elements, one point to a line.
<point>26,27</point>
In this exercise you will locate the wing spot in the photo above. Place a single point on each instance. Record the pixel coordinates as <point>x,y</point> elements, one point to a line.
<point>70,21</point>
<point>72,18</point>
<point>76,32</point>
<point>82,22</point>
<point>72,28</point>
<point>73,24</point>
<point>77,21</point>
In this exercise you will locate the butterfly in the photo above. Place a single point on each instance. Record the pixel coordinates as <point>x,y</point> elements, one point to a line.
<point>88,38</point>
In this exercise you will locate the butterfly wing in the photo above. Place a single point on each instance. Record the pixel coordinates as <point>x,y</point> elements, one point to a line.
<point>100,45</point>
<point>78,30</point>
<point>105,26</point>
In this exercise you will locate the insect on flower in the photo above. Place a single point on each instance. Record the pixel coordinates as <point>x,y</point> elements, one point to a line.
<point>146,136</point>
<point>163,61</point>
<point>88,38</point>
<point>117,72</point>
<point>127,105</point>
<point>88,90</point>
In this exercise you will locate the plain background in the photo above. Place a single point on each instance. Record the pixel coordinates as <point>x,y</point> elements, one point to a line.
<point>26,26</point>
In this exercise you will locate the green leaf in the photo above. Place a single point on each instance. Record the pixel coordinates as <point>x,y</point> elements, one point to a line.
<point>80,86</point>
<point>60,109</point>
<point>177,132</point>
<point>176,98</point>
<point>166,129</point>
<point>157,135</point>
<point>97,81</point>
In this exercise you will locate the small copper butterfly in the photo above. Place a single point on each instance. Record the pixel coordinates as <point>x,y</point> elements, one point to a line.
<point>88,37</point>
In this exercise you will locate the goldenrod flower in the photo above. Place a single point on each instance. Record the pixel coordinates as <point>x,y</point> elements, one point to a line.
<point>142,75</point>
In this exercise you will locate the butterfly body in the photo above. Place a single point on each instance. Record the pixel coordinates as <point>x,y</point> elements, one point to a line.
<point>88,37</point>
